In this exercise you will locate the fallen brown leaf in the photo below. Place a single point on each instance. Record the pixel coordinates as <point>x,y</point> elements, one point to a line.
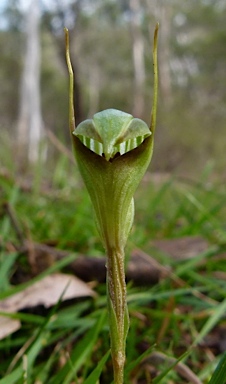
<point>46,292</point>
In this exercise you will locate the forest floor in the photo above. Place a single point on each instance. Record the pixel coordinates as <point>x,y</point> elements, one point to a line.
<point>53,324</point>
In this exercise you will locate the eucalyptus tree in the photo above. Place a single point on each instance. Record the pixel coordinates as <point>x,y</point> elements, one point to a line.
<point>30,125</point>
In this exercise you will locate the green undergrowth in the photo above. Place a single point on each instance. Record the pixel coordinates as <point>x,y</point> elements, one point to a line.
<point>178,322</point>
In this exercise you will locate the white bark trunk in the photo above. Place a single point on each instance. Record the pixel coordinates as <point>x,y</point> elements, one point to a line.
<point>138,59</point>
<point>30,126</point>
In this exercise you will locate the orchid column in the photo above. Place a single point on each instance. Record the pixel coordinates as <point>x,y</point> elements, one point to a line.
<point>113,151</point>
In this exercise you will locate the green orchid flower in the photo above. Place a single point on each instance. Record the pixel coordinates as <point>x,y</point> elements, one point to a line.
<point>111,132</point>
<point>113,150</point>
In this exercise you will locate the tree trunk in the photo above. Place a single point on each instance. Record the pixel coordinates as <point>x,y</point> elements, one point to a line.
<point>138,58</point>
<point>30,126</point>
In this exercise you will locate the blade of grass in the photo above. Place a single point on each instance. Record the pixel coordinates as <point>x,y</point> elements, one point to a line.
<point>5,227</point>
<point>13,377</point>
<point>94,376</point>
<point>135,363</point>
<point>191,263</point>
<point>18,374</point>
<point>147,297</point>
<point>218,313</point>
<point>80,354</point>
<point>7,261</point>
<point>219,375</point>
<point>179,366</point>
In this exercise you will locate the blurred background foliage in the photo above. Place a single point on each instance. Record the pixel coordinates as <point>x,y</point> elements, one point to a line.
<point>111,45</point>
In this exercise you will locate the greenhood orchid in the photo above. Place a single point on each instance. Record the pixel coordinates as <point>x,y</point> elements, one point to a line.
<point>113,151</point>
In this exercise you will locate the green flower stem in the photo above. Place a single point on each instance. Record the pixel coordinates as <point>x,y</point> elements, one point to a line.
<point>118,312</point>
